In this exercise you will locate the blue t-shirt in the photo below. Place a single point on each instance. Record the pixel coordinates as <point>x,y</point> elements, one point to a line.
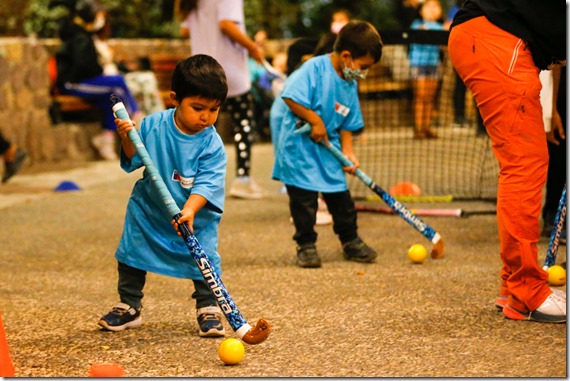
<point>299,161</point>
<point>188,164</point>
<point>423,54</point>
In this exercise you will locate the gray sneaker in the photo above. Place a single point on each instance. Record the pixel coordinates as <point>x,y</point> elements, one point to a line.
<point>307,256</point>
<point>356,250</point>
<point>210,322</point>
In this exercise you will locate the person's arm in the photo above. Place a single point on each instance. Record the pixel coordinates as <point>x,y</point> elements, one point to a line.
<point>556,125</point>
<point>192,206</point>
<point>319,131</point>
<point>232,31</point>
<point>123,128</point>
<point>348,150</point>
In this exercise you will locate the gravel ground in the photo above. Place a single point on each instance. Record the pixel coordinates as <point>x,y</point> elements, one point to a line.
<point>387,319</point>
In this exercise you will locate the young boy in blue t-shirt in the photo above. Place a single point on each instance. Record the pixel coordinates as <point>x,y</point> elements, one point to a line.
<point>191,158</point>
<point>323,92</point>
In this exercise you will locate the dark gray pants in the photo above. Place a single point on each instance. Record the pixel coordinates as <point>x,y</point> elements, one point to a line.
<point>303,205</point>
<point>132,281</point>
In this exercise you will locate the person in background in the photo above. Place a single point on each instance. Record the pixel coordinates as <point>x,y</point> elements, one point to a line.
<point>217,28</point>
<point>139,77</point>
<point>79,72</point>
<point>425,69</point>
<point>13,157</point>
<point>339,18</point>
<point>498,48</point>
<point>305,47</point>
<point>324,93</point>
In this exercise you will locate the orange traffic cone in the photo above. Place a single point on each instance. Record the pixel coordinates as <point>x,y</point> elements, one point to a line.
<point>6,366</point>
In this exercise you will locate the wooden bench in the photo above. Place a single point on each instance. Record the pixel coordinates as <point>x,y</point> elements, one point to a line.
<point>70,107</point>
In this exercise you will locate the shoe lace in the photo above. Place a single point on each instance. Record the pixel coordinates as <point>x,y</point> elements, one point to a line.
<point>118,311</point>
<point>209,316</point>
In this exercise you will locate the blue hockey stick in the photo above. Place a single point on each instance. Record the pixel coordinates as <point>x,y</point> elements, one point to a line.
<point>555,235</point>
<point>236,320</point>
<point>395,205</point>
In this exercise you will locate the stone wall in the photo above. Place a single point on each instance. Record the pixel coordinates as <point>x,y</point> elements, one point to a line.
<point>25,98</point>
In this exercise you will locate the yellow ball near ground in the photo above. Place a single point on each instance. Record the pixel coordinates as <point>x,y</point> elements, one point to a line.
<point>417,253</point>
<point>556,275</point>
<point>231,351</point>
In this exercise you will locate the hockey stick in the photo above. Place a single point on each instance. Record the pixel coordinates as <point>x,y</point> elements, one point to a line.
<point>405,213</point>
<point>236,320</point>
<point>427,212</point>
<point>555,235</point>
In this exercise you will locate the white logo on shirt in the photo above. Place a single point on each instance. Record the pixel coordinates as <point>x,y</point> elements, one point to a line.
<point>342,110</point>
<point>185,182</point>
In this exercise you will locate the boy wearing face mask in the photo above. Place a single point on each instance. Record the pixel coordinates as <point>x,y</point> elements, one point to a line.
<point>323,93</point>
<point>80,73</point>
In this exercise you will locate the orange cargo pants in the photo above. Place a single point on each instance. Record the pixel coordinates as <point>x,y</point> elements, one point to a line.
<point>498,68</point>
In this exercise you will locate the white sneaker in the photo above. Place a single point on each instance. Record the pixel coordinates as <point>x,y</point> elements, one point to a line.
<point>105,144</point>
<point>554,305</point>
<point>552,310</point>
<point>245,187</point>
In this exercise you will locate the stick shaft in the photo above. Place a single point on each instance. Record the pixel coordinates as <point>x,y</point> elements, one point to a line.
<point>225,301</point>
<point>395,205</point>
<point>555,235</point>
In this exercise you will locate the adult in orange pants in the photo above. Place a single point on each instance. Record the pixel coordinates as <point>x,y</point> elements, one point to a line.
<point>6,367</point>
<point>498,48</point>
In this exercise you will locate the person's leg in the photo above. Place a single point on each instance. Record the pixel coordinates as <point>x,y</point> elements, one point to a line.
<point>99,90</point>
<point>341,206</point>
<point>126,313</point>
<point>130,285</point>
<point>240,109</point>
<point>507,92</point>
<point>208,313</point>
<point>303,205</point>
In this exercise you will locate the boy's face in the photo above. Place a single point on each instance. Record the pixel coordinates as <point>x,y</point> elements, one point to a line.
<point>194,114</point>
<point>361,64</point>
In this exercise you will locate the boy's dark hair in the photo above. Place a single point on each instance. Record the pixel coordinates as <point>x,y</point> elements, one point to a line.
<point>199,76</point>
<point>361,39</point>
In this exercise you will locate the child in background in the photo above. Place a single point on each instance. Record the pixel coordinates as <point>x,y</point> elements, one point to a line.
<point>323,92</point>
<point>79,72</point>
<point>425,71</point>
<point>190,156</point>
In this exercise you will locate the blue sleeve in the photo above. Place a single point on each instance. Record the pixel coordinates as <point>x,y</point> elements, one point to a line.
<point>210,178</point>
<point>301,86</point>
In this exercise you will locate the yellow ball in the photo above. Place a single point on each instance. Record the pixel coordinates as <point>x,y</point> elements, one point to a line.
<point>417,253</point>
<point>231,351</point>
<point>556,275</point>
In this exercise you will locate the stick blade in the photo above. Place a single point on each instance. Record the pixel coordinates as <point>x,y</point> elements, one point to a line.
<point>258,333</point>
<point>437,250</point>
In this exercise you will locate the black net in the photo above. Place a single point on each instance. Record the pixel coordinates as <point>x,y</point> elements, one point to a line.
<point>448,155</point>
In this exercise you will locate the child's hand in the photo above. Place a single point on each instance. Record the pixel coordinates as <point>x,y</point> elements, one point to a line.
<point>354,160</point>
<point>123,127</point>
<point>319,133</point>
<point>187,218</point>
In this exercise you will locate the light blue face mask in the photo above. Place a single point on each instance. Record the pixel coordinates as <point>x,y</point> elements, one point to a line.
<point>353,74</point>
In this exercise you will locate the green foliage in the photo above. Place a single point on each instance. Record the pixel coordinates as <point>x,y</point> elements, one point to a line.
<point>155,18</point>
